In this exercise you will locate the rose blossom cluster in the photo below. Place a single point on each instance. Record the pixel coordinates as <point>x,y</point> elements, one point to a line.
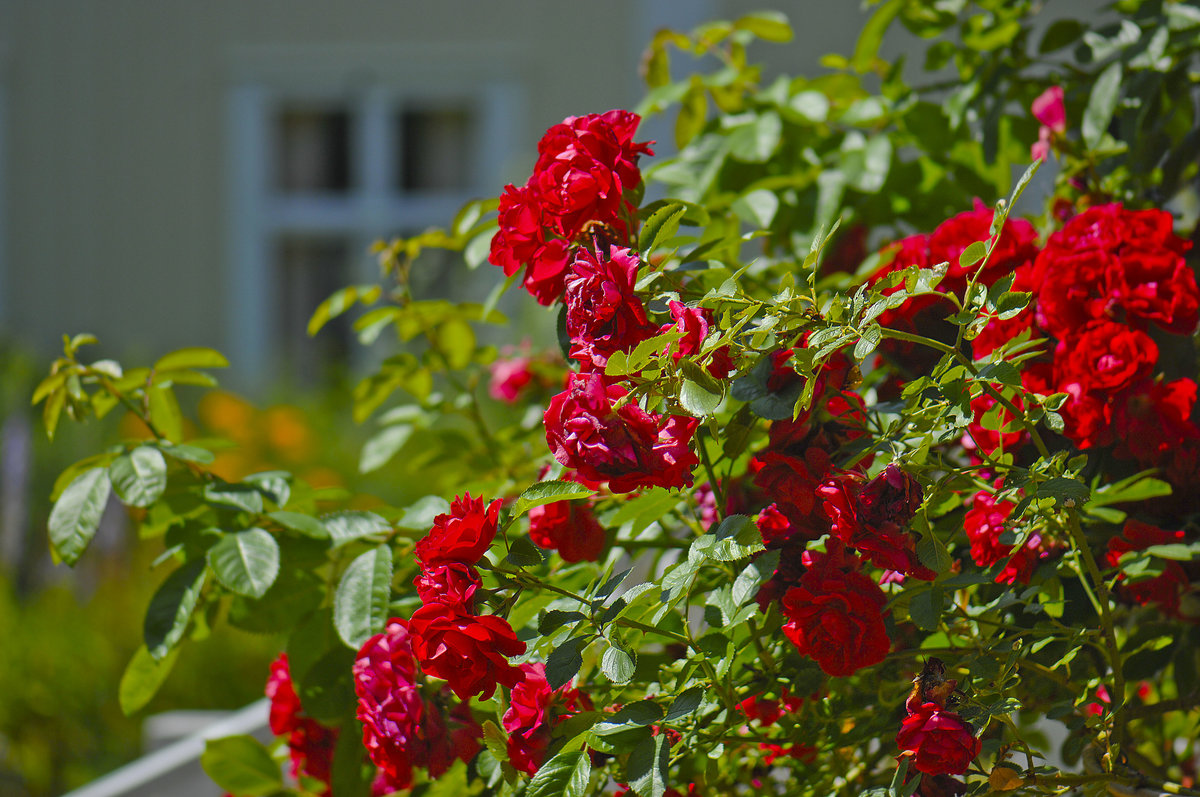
<point>310,744</point>
<point>534,710</point>
<point>584,168</point>
<point>406,722</point>
<point>833,610</point>
<point>766,713</point>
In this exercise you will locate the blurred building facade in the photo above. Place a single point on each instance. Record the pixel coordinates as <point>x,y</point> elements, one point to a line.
<point>175,173</point>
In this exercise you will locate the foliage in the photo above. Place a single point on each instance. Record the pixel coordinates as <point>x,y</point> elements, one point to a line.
<point>777,478</point>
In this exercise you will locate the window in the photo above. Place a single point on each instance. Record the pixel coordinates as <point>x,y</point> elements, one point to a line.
<point>317,175</point>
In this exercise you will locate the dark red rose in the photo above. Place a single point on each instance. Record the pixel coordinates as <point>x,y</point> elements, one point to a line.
<point>938,741</point>
<point>1158,286</point>
<point>1153,419</point>
<point>403,729</point>
<point>451,583</point>
<point>627,446</point>
<point>568,527</point>
<point>466,651</point>
<point>310,744</point>
<point>1163,590</point>
<point>462,535</point>
<point>871,517</point>
<point>835,613</point>
<point>1075,289</point>
<point>695,323</point>
<point>1104,356</point>
<point>790,479</point>
<point>604,313</point>
<point>534,710</point>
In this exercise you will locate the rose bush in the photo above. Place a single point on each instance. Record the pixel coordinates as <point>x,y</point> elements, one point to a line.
<point>824,425</point>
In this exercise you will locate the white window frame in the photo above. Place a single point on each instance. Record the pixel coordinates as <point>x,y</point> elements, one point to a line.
<point>373,83</point>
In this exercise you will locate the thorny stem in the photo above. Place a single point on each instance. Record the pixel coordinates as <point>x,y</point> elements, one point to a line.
<point>1080,544</point>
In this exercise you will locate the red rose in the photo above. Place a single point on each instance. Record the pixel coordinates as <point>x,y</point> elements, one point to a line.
<point>695,322</point>
<point>310,744</point>
<point>871,518</point>
<point>463,535</point>
<point>534,710</point>
<point>1075,289</point>
<point>401,728</point>
<point>568,527</point>
<point>1159,286</point>
<point>522,241</point>
<point>1104,357</point>
<point>604,313</point>
<point>1153,419</point>
<point>628,447</point>
<point>938,741</point>
<point>509,378</point>
<point>1016,246</point>
<point>984,523</point>
<point>466,651</point>
<point>835,613</point>
<point>451,583</point>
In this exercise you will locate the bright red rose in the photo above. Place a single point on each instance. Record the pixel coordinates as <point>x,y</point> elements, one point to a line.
<point>534,710</point>
<point>466,651</point>
<point>627,447</point>
<point>1158,286</point>
<point>462,535</point>
<point>1075,289</point>
<point>695,322</point>
<point>604,313</point>
<point>310,744</point>
<point>871,517</point>
<point>1104,357</point>
<point>938,741</point>
<point>835,613</point>
<point>568,527</point>
<point>401,728</point>
<point>1017,245</point>
<point>451,583</point>
<point>522,241</point>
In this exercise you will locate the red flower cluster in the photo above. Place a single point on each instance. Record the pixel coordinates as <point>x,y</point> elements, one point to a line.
<point>835,613</point>
<point>694,323</point>
<point>402,728</point>
<point>447,637</point>
<point>625,446</point>
<point>604,313</point>
<point>984,523</point>
<point>534,711</point>
<point>585,165</point>
<point>310,744</point>
<point>766,713</point>
<point>1164,590</point>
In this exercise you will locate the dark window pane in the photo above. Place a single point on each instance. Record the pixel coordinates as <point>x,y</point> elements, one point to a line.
<point>308,269</point>
<point>312,150</point>
<point>435,148</point>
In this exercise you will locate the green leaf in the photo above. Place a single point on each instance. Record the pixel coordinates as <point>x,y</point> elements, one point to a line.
<point>142,677</point>
<point>770,26</point>
<point>246,562</point>
<point>697,401</point>
<point>195,357</point>
<point>867,48</point>
<point>171,608</point>
<point>420,515</point>
<point>736,538</point>
<point>302,524</point>
<point>164,412</point>
<point>241,765</point>
<point>972,254</point>
<point>661,226</point>
<point>639,712</point>
<point>926,608</point>
<point>524,553</point>
<point>140,476</point>
<point>617,664</point>
<point>344,527</point>
<point>757,207</point>
<point>933,554</point>
<point>686,703</point>
<point>693,113</point>
<point>565,775</point>
<point>647,767</point>
<point>77,512</point>
<point>383,446</point>
<point>495,741</point>
<point>186,453</point>
<point>564,662</point>
<point>1102,103</point>
<point>239,496</point>
<point>1063,490</point>
<point>548,492</point>
<point>351,773</point>
<point>1176,551</point>
<point>360,606</point>
<point>339,302</point>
